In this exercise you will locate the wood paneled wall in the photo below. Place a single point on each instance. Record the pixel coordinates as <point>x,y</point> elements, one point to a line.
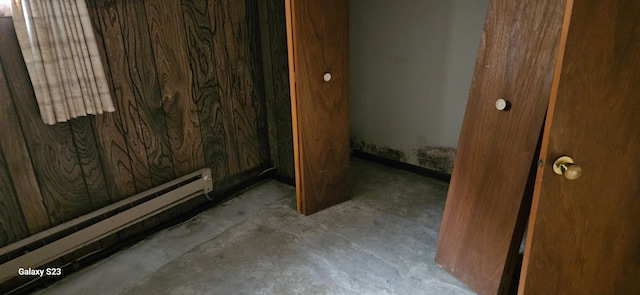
<point>276,72</point>
<point>187,79</point>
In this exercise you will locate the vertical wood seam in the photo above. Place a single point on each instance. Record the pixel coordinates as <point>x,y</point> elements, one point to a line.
<point>257,76</point>
<point>566,22</point>
<point>17,203</point>
<point>33,228</point>
<point>226,103</point>
<point>193,100</point>
<point>127,56</point>
<point>82,172</point>
<point>118,113</point>
<point>140,98</point>
<point>155,71</point>
<point>270,103</point>
<point>110,190</point>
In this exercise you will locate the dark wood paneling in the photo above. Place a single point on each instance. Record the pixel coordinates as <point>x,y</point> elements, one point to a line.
<point>234,83</point>
<point>200,51</point>
<point>256,88</point>
<point>281,88</point>
<point>146,90</point>
<point>167,33</point>
<point>89,157</point>
<point>320,38</point>
<point>276,78</point>
<point>128,119</point>
<point>12,142</point>
<point>12,223</point>
<point>51,148</point>
<point>57,166</point>
<point>187,82</point>
<point>109,130</point>
<point>263,10</point>
<point>496,148</point>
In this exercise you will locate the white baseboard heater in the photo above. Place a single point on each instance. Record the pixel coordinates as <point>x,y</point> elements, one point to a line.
<point>101,223</point>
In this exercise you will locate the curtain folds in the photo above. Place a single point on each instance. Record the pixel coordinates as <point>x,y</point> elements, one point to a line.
<point>61,54</point>
<point>5,9</point>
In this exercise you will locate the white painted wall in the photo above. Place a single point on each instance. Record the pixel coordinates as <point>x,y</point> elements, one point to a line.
<point>411,68</point>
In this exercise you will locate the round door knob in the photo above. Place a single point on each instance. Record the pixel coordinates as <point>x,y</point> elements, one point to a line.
<point>565,166</point>
<point>501,104</point>
<point>327,77</point>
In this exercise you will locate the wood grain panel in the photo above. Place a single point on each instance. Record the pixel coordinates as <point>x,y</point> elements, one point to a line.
<point>90,161</point>
<point>51,148</point>
<point>57,167</point>
<point>276,78</point>
<point>109,131</point>
<point>257,90</point>
<point>234,83</point>
<point>125,101</point>
<point>496,148</point>
<point>13,144</point>
<point>144,83</point>
<point>320,36</point>
<point>138,48</point>
<point>278,33</point>
<point>12,223</point>
<point>263,10</point>
<point>91,164</point>
<point>167,33</point>
<point>200,51</point>
<point>584,236</point>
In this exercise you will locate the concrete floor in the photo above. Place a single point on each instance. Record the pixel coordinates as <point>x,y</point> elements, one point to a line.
<point>381,242</point>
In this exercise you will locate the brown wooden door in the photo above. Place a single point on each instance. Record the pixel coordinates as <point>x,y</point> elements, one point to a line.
<point>584,234</point>
<point>318,38</point>
<point>486,209</point>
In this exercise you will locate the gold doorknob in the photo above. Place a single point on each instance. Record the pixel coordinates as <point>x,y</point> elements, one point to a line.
<point>565,166</point>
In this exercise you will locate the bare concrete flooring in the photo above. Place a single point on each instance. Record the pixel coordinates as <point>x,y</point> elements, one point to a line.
<point>381,242</point>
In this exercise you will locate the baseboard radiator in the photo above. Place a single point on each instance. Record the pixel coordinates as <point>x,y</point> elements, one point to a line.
<point>49,245</point>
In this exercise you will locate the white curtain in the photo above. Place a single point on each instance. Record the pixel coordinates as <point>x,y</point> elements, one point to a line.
<point>5,8</point>
<point>62,58</point>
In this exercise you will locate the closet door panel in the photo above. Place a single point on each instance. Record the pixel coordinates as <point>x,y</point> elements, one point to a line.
<point>488,196</point>
<point>318,33</point>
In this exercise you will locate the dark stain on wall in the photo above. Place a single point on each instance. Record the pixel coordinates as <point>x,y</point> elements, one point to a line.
<point>436,158</point>
<point>385,152</point>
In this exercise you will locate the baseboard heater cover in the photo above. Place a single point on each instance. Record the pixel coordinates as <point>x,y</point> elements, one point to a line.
<point>136,208</point>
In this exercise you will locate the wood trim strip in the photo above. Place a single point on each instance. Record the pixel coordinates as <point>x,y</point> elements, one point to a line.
<point>297,147</point>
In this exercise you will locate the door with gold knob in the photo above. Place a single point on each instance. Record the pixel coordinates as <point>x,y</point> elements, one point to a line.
<point>490,189</point>
<point>318,39</point>
<point>584,232</point>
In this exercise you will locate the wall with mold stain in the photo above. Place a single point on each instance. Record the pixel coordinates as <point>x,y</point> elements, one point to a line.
<point>411,68</point>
